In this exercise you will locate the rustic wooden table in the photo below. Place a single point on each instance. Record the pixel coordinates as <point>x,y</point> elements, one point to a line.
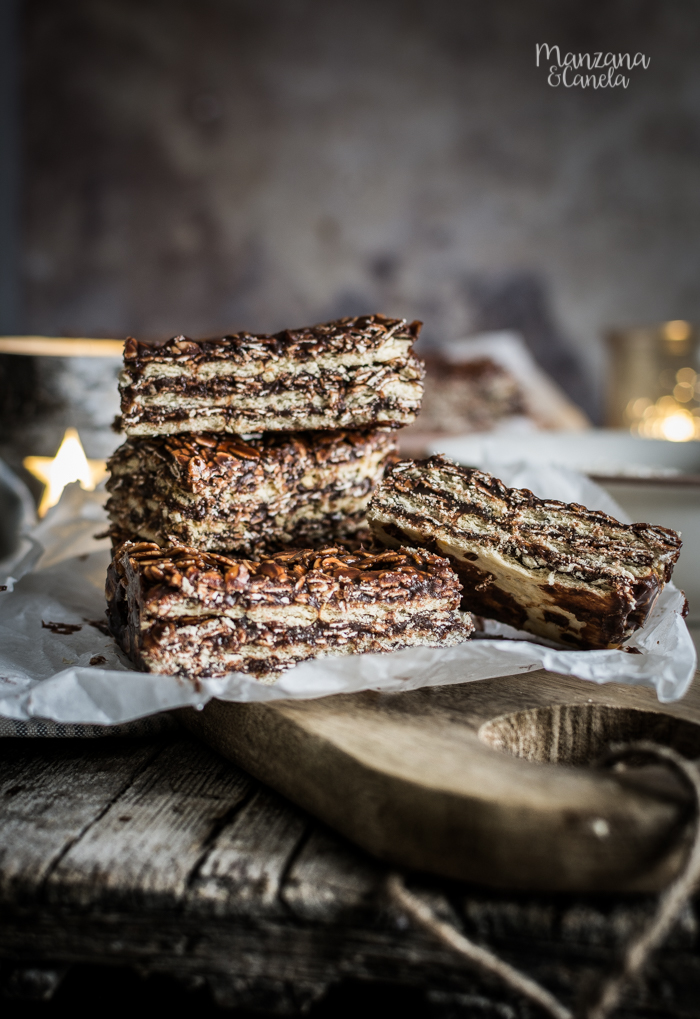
<point>161,855</point>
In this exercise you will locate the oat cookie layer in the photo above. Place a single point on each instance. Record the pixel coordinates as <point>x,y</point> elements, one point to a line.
<point>180,611</point>
<point>573,575</point>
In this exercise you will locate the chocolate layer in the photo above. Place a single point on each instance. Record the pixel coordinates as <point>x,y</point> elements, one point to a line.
<point>353,373</point>
<point>220,493</point>
<point>181,611</point>
<point>573,575</point>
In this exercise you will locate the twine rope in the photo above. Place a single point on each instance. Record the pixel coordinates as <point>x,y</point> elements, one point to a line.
<point>638,950</point>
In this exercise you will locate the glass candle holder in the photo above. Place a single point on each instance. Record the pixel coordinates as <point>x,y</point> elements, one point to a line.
<point>654,385</point>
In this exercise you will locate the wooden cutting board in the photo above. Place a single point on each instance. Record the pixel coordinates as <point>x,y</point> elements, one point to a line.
<point>489,782</point>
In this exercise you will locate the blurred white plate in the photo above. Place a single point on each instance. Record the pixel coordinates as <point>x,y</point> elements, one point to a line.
<point>601,453</point>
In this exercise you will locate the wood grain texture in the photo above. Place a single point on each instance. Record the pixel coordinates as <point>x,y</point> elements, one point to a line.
<point>328,880</point>
<point>49,801</point>
<point>261,902</point>
<point>152,837</point>
<point>245,868</point>
<point>487,782</point>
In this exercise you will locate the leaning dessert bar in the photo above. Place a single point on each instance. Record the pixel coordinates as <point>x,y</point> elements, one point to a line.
<point>220,493</point>
<point>180,611</point>
<point>353,373</point>
<point>576,576</point>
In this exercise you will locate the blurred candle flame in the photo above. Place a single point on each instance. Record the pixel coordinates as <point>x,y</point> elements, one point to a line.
<point>677,331</point>
<point>670,417</point>
<point>677,427</point>
<point>70,464</point>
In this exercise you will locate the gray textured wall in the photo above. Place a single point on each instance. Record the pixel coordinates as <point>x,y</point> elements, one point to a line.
<point>9,167</point>
<point>196,166</point>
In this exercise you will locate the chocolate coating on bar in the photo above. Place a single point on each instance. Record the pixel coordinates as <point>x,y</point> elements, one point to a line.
<point>352,373</point>
<point>178,573</point>
<point>364,333</point>
<point>222,493</point>
<point>573,575</point>
<point>181,610</point>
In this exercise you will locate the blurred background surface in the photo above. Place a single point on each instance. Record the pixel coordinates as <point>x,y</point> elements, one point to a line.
<point>197,167</point>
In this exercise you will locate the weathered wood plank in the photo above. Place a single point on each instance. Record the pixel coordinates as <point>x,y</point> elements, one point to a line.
<point>50,795</point>
<point>606,922</point>
<point>330,880</point>
<point>168,941</point>
<point>243,871</point>
<point>276,907</point>
<point>335,924</point>
<point>301,954</point>
<point>153,836</point>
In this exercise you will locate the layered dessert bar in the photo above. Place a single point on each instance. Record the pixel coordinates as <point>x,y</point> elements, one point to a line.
<point>353,373</point>
<point>220,493</point>
<point>468,396</point>
<point>180,611</point>
<point>573,575</point>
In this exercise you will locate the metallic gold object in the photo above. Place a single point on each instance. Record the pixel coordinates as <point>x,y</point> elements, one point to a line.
<point>654,387</point>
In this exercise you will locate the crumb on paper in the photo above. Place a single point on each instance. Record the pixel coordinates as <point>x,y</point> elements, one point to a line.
<point>98,660</point>
<point>99,624</point>
<point>62,628</point>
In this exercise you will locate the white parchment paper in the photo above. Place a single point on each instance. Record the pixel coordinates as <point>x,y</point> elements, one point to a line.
<point>48,675</point>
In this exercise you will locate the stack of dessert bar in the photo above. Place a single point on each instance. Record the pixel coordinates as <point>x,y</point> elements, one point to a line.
<point>267,448</point>
<point>247,443</point>
<point>241,496</point>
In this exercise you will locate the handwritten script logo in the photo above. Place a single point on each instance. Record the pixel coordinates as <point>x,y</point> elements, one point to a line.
<point>567,69</point>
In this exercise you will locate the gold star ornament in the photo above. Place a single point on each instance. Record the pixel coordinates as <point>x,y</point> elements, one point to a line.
<point>70,464</point>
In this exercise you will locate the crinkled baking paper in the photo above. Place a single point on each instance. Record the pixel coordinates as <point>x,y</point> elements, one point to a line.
<point>44,674</point>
